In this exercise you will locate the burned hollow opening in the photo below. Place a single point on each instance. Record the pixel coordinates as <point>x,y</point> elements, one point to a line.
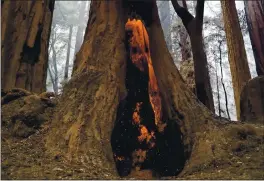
<point>142,137</point>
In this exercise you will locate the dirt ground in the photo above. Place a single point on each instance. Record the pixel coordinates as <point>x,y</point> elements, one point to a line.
<point>27,159</point>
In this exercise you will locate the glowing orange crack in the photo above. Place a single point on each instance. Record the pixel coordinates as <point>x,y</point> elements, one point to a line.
<point>140,56</point>
<point>136,116</point>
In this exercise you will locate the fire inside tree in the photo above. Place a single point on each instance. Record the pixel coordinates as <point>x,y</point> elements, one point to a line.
<point>140,139</point>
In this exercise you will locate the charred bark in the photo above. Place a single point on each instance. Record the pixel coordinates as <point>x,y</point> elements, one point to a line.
<point>255,20</point>
<point>194,26</point>
<point>25,36</point>
<point>236,51</point>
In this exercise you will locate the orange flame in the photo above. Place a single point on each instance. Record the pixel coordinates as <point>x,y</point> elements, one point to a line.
<point>119,158</point>
<point>136,116</point>
<point>140,56</point>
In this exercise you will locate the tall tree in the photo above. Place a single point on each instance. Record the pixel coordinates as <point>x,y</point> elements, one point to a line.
<point>236,50</point>
<point>66,69</point>
<point>186,51</point>
<point>194,27</point>
<point>255,20</point>
<point>25,34</point>
<point>93,122</point>
<point>186,65</point>
<point>54,75</point>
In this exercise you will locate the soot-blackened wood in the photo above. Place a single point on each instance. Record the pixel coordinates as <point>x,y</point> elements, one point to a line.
<point>25,36</point>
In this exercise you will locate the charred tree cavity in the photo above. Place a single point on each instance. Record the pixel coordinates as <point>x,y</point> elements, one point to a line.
<point>30,54</point>
<point>143,137</point>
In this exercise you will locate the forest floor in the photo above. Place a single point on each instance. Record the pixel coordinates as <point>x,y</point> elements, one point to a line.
<point>27,158</point>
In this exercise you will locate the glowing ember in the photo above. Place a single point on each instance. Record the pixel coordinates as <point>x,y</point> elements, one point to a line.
<point>119,158</point>
<point>136,116</point>
<point>140,56</point>
<point>139,156</point>
<point>144,133</point>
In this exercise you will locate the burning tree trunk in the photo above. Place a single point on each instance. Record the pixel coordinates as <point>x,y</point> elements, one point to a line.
<point>255,20</point>
<point>236,50</point>
<point>25,36</point>
<point>194,27</point>
<point>126,104</point>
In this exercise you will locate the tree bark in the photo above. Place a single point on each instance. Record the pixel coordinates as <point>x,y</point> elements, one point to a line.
<point>236,50</point>
<point>194,29</point>
<point>66,69</point>
<point>89,111</point>
<point>255,20</point>
<point>25,36</point>
<point>54,62</point>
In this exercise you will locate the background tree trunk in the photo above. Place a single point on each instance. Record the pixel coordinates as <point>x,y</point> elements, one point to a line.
<point>184,41</point>
<point>186,65</point>
<point>87,113</point>
<point>25,36</point>
<point>255,20</point>
<point>66,69</point>
<point>236,50</point>
<point>194,29</point>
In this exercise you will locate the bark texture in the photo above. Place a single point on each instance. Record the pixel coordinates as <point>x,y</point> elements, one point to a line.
<point>194,26</point>
<point>82,128</point>
<point>25,36</point>
<point>255,20</point>
<point>236,50</point>
<point>252,101</point>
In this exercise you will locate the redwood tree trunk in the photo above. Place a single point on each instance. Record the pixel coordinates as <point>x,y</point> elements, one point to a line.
<point>90,106</point>
<point>255,20</point>
<point>25,36</point>
<point>236,50</point>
